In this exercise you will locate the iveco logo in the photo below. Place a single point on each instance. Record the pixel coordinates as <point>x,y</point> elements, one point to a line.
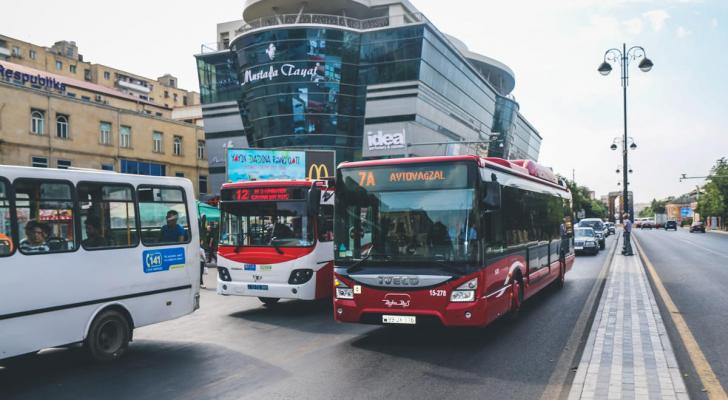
<point>391,280</point>
<point>271,51</point>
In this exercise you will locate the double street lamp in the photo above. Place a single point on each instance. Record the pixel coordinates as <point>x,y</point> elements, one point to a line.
<point>622,58</point>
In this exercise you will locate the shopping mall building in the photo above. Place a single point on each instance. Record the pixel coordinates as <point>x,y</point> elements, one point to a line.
<point>366,78</point>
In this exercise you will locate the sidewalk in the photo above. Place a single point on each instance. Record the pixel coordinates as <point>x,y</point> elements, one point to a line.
<point>628,353</point>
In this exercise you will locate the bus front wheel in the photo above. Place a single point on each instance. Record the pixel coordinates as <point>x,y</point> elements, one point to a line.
<point>109,335</point>
<point>269,301</point>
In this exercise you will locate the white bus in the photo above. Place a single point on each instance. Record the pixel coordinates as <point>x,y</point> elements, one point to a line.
<point>87,257</point>
<point>276,240</point>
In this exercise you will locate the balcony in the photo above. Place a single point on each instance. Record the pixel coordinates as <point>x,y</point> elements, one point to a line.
<point>4,51</point>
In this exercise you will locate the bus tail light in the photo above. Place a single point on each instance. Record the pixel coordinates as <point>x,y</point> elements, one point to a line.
<point>464,292</point>
<point>343,291</point>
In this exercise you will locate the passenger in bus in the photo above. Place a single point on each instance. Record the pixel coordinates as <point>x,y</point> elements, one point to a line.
<point>282,231</point>
<point>173,232</point>
<point>36,235</point>
<point>94,236</point>
<point>439,240</point>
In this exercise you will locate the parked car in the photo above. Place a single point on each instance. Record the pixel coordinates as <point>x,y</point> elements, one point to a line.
<point>600,231</point>
<point>671,225</point>
<point>585,241</point>
<point>697,227</point>
<point>611,228</point>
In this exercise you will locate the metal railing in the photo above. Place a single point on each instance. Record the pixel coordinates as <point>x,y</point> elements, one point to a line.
<point>320,19</point>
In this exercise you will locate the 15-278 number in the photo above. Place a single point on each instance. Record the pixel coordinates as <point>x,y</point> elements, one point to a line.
<point>438,292</point>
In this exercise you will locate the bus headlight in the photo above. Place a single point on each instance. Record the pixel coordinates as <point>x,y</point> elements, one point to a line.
<point>464,292</point>
<point>343,291</point>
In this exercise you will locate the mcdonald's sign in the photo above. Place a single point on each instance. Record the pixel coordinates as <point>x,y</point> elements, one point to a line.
<point>317,171</point>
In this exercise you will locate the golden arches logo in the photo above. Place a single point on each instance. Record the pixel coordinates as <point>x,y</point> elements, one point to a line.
<point>320,169</point>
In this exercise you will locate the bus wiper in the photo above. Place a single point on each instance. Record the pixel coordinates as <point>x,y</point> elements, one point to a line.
<point>449,267</point>
<point>357,265</point>
<point>275,246</point>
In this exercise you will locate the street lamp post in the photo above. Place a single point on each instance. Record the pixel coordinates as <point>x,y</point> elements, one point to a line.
<point>623,57</point>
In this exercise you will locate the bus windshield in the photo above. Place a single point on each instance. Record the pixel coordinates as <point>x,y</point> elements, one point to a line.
<point>279,224</point>
<point>428,215</point>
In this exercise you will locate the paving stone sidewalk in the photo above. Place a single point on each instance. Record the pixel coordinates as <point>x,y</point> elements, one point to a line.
<point>628,353</point>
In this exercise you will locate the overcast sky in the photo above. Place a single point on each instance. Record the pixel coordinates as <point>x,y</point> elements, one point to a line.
<point>678,112</point>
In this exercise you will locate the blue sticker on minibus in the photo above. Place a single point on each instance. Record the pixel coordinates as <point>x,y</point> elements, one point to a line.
<point>249,267</point>
<point>163,259</point>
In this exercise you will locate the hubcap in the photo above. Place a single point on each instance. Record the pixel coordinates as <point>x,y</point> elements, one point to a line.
<point>110,336</point>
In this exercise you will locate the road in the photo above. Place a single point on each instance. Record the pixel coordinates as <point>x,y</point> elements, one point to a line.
<point>234,348</point>
<point>694,269</point>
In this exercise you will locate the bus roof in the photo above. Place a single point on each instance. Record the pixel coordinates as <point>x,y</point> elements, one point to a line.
<point>266,183</point>
<point>85,175</point>
<point>523,168</point>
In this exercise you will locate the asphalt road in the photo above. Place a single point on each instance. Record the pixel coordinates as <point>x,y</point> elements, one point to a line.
<point>694,269</point>
<point>234,348</point>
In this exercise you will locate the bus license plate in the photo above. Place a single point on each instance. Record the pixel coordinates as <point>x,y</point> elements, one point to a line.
<point>258,287</point>
<point>399,319</point>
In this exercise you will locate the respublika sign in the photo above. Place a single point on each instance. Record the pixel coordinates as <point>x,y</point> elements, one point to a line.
<point>262,164</point>
<point>34,79</point>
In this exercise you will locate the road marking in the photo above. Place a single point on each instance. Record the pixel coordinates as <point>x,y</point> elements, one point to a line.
<point>707,377</point>
<point>704,248</point>
<point>563,370</point>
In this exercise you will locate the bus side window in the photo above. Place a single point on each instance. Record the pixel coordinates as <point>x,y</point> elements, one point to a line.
<point>6,235</point>
<point>326,223</point>
<point>45,216</point>
<point>163,215</point>
<point>108,217</point>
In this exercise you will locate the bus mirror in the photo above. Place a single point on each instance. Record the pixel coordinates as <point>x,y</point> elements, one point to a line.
<point>313,201</point>
<point>492,199</point>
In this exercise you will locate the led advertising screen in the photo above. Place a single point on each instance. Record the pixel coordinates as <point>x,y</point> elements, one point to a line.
<point>264,164</point>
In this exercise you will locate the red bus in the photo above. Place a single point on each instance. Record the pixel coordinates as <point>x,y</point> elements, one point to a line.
<point>454,240</point>
<point>276,239</point>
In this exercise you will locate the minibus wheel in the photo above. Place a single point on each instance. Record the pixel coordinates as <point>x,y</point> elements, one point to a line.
<point>109,335</point>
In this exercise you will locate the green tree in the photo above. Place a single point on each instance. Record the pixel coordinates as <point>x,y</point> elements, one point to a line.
<point>714,200</point>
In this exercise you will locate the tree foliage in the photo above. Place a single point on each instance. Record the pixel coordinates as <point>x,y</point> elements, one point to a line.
<point>714,199</point>
<point>580,200</point>
<point>655,207</point>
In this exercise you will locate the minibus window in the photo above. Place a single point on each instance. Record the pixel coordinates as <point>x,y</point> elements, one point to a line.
<point>163,215</point>
<point>45,216</point>
<point>6,236</point>
<point>108,217</point>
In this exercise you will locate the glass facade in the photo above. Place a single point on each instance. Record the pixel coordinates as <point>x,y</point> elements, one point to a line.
<point>305,87</point>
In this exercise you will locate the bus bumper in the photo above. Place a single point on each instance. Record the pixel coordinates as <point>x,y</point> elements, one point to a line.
<point>453,314</point>
<point>306,291</point>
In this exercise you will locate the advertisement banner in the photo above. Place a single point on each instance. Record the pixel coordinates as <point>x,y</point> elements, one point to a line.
<point>263,164</point>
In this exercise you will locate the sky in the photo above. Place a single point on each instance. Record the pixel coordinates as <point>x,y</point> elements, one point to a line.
<point>677,113</point>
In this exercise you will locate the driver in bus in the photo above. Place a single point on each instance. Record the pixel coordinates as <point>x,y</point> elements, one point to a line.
<point>94,238</point>
<point>36,234</point>
<point>173,232</point>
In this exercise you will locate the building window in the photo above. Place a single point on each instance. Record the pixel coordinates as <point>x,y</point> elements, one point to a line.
<point>200,149</point>
<point>85,98</point>
<point>105,133</point>
<point>107,75</point>
<point>71,94</point>
<point>37,121</point>
<point>157,142</point>
<point>203,184</point>
<point>59,65</point>
<point>87,74</point>
<point>16,51</point>
<point>166,94</point>
<point>179,174</point>
<point>125,136</point>
<point>175,97</point>
<point>63,164</point>
<point>32,54</point>
<point>39,162</point>
<point>107,167</point>
<point>72,68</point>
<point>177,146</point>
<point>62,126</point>
<point>142,168</point>
<point>184,101</point>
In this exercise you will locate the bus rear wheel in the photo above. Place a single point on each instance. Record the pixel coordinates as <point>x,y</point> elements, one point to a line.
<point>109,335</point>
<point>269,301</point>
